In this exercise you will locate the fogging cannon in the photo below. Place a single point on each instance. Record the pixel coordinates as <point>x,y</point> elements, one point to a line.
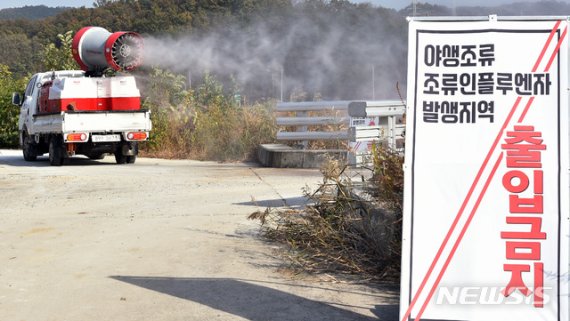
<point>95,49</point>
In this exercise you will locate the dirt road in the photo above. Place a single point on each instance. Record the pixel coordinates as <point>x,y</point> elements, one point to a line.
<point>158,240</point>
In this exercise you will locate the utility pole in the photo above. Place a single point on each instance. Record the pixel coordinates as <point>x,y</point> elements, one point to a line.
<point>373,82</point>
<point>414,6</point>
<point>281,84</point>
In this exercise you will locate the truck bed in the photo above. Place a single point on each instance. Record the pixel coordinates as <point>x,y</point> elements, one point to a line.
<point>93,122</point>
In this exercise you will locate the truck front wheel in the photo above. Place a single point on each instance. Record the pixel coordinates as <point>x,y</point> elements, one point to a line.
<point>56,151</point>
<point>29,148</point>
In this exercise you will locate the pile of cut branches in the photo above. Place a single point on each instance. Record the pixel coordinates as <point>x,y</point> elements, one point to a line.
<point>352,226</point>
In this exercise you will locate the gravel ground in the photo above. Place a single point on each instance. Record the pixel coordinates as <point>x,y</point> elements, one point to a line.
<point>158,240</point>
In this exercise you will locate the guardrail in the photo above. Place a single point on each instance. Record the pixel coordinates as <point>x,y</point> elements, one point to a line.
<point>301,121</point>
<point>367,122</point>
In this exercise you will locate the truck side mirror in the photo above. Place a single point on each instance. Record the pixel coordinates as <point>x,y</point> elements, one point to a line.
<point>16,99</point>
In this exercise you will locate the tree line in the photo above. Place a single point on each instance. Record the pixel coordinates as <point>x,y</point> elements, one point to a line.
<point>354,58</point>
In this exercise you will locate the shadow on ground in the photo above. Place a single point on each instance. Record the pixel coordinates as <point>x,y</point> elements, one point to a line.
<point>251,301</point>
<point>292,202</point>
<point>387,312</point>
<point>43,161</point>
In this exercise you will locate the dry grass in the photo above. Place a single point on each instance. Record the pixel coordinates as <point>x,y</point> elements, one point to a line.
<point>231,133</point>
<point>215,133</point>
<point>205,124</point>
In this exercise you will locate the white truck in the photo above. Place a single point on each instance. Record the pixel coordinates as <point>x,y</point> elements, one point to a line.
<point>69,112</point>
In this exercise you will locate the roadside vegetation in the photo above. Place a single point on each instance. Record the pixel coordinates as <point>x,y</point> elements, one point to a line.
<point>9,113</point>
<point>205,123</point>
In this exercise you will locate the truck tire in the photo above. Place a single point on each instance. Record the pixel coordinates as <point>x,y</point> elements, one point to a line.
<point>56,156</point>
<point>120,158</point>
<point>29,148</point>
<point>126,148</point>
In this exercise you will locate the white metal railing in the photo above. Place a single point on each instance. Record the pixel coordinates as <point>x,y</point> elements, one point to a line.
<point>301,120</point>
<point>367,122</point>
<point>371,122</point>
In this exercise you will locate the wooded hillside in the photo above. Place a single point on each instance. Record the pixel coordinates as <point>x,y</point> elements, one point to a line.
<point>309,49</point>
<point>30,12</point>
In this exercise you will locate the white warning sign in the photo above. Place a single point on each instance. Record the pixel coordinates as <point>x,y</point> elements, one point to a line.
<point>486,214</point>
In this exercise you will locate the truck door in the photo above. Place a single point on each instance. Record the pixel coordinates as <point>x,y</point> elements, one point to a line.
<point>29,107</point>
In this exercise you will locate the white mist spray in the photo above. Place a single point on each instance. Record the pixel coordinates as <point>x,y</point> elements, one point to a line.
<point>331,53</point>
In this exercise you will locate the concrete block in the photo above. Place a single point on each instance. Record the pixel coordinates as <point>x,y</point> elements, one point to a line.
<point>283,156</point>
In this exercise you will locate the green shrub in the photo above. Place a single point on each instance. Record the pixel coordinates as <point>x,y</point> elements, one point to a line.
<point>8,112</point>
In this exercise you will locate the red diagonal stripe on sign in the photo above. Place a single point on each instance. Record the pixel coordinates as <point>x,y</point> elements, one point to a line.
<point>471,190</point>
<point>555,53</point>
<point>548,41</point>
<point>546,69</point>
